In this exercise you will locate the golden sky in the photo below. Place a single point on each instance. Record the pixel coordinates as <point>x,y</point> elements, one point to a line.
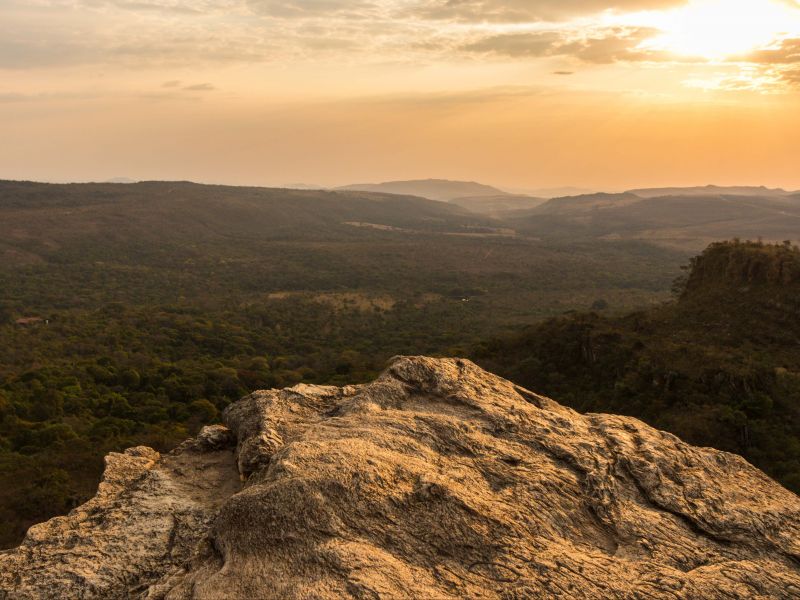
<point>520,93</point>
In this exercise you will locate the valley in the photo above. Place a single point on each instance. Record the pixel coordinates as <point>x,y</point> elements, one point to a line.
<point>135,313</point>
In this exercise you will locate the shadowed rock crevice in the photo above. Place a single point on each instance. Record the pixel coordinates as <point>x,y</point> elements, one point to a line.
<point>437,480</point>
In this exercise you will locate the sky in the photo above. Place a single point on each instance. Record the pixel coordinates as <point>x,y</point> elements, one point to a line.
<point>522,94</point>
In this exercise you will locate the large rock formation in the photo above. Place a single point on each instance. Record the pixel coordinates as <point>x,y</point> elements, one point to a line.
<point>438,480</point>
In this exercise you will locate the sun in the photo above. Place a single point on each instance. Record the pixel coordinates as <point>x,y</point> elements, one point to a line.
<point>718,29</point>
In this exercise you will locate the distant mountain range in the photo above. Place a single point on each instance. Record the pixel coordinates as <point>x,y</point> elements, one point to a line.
<point>433,189</point>
<point>687,219</point>
<point>711,190</point>
<point>456,191</point>
<point>447,190</point>
<point>184,212</point>
<point>496,206</point>
<point>554,192</point>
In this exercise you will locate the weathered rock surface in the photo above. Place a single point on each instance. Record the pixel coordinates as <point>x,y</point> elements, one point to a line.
<point>438,480</point>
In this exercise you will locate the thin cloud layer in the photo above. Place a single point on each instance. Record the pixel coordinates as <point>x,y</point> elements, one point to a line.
<point>159,35</point>
<point>787,52</point>
<point>601,47</point>
<point>526,10</point>
<point>347,9</point>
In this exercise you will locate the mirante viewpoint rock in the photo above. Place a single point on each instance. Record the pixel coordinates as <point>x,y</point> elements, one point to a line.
<point>437,480</point>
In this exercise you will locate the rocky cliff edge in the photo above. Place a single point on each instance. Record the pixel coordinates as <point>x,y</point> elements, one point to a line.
<point>437,480</point>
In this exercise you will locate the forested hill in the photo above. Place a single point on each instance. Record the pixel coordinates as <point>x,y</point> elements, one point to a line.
<point>690,219</point>
<point>188,210</point>
<point>725,267</point>
<point>720,366</point>
<point>435,189</point>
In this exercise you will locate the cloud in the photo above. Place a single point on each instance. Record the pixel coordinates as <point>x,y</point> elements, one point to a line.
<point>144,47</point>
<point>791,77</point>
<point>165,33</point>
<point>613,45</point>
<point>199,87</point>
<point>180,9</point>
<point>313,8</point>
<point>124,35</point>
<point>783,77</point>
<point>788,52</point>
<point>519,44</point>
<point>14,97</point>
<point>456,100</point>
<point>610,45</point>
<point>527,10</point>
<point>769,70</point>
<point>478,11</point>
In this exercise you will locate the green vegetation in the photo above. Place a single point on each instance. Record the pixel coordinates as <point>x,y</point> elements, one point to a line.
<point>134,314</point>
<point>89,383</point>
<point>720,366</point>
<point>160,303</point>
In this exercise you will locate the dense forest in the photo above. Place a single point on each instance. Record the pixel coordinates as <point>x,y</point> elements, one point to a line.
<point>81,384</point>
<point>133,314</point>
<point>719,366</point>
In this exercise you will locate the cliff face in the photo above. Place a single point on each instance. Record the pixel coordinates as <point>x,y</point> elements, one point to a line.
<point>438,480</point>
<point>741,264</point>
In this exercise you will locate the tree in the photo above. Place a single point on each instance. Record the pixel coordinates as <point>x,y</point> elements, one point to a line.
<point>48,406</point>
<point>204,411</point>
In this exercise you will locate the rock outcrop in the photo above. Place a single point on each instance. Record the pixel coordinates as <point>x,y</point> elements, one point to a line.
<point>438,480</point>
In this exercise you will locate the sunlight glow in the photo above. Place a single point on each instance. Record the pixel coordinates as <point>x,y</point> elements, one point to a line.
<point>717,29</point>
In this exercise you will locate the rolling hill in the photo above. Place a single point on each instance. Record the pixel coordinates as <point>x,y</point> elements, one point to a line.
<point>496,206</point>
<point>159,207</point>
<point>217,239</point>
<point>712,190</point>
<point>688,222</point>
<point>433,189</point>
